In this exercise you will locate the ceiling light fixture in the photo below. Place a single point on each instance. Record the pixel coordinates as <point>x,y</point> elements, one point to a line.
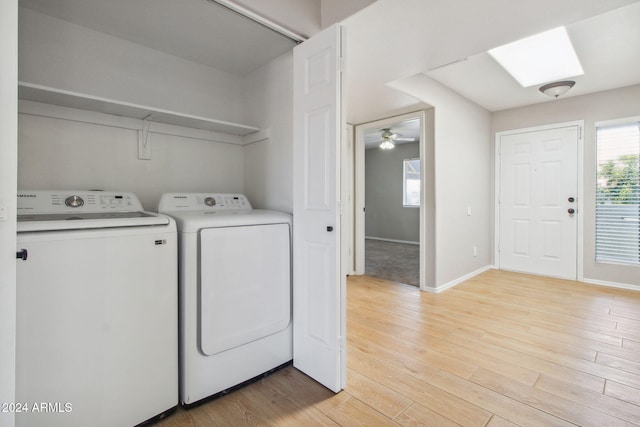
<point>544,57</point>
<point>387,145</point>
<point>556,89</point>
<point>389,139</point>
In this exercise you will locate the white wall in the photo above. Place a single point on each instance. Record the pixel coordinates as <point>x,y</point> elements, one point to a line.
<point>66,153</point>
<point>613,104</point>
<point>8,136</point>
<point>268,164</point>
<point>333,11</point>
<point>59,54</point>
<point>463,171</point>
<point>91,150</point>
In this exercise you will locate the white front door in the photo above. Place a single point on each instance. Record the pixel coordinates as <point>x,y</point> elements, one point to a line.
<point>318,282</point>
<point>538,206</point>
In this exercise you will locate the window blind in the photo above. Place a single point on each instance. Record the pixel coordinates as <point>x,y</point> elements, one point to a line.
<point>618,193</point>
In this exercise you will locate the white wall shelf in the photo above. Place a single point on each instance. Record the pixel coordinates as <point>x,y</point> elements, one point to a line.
<point>48,95</point>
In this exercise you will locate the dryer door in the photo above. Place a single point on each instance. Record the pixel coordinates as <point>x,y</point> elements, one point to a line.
<point>245,285</point>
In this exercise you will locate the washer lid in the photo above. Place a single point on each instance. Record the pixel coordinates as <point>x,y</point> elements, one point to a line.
<point>53,222</point>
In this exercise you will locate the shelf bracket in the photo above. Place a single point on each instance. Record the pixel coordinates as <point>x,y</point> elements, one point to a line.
<point>144,145</point>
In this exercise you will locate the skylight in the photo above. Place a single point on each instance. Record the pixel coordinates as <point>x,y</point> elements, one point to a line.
<point>542,58</point>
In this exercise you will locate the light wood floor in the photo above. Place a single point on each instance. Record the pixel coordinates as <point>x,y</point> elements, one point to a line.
<point>501,349</point>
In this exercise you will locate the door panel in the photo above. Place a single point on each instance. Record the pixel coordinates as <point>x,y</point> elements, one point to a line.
<point>552,231</point>
<point>522,239</point>
<point>538,174</point>
<point>318,283</point>
<point>319,297</point>
<point>318,153</point>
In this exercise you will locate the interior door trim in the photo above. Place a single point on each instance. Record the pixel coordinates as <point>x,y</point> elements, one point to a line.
<point>426,282</point>
<point>580,194</point>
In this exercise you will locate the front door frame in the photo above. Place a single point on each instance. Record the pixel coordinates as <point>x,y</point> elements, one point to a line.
<point>580,185</point>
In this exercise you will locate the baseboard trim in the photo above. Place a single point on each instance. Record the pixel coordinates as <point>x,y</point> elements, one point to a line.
<point>468,276</point>
<point>611,284</point>
<point>588,281</point>
<point>392,240</point>
<point>459,280</point>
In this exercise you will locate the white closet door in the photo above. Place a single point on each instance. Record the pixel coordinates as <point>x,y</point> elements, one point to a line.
<point>319,285</point>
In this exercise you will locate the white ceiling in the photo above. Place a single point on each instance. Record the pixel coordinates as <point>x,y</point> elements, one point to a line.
<point>607,45</point>
<point>197,30</point>
<point>392,40</point>
<point>388,41</point>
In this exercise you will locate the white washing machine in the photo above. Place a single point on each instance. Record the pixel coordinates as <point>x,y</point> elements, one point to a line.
<point>235,291</point>
<point>97,309</point>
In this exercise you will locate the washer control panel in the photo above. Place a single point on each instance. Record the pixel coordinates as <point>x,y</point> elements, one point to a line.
<point>39,202</point>
<point>214,202</point>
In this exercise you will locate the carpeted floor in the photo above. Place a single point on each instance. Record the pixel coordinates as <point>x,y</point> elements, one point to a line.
<point>393,261</point>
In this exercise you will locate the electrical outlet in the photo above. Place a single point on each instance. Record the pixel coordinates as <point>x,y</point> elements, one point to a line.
<point>3,214</point>
<point>475,251</point>
<point>468,210</point>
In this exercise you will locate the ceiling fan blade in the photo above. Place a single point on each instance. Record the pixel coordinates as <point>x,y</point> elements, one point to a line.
<point>404,139</point>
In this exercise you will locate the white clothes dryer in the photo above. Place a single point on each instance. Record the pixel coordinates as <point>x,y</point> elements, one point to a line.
<point>235,291</point>
<point>97,310</point>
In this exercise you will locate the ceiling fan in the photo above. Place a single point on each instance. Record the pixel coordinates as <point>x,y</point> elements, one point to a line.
<point>389,139</point>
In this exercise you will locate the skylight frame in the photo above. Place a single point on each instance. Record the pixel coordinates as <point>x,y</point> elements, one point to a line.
<point>541,58</point>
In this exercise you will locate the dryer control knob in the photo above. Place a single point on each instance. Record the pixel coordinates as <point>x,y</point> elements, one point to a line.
<point>210,201</point>
<point>74,201</point>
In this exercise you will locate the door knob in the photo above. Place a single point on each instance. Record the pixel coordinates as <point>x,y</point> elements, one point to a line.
<point>571,199</point>
<point>22,254</point>
<point>571,211</point>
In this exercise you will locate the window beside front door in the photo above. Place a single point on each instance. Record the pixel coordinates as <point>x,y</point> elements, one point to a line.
<point>618,192</point>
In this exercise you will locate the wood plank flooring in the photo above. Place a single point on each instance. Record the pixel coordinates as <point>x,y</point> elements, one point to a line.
<point>501,349</point>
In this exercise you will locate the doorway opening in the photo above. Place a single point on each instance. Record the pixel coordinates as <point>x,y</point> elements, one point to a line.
<point>389,176</point>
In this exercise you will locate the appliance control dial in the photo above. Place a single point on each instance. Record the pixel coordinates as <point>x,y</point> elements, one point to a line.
<point>74,201</point>
<point>210,201</point>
